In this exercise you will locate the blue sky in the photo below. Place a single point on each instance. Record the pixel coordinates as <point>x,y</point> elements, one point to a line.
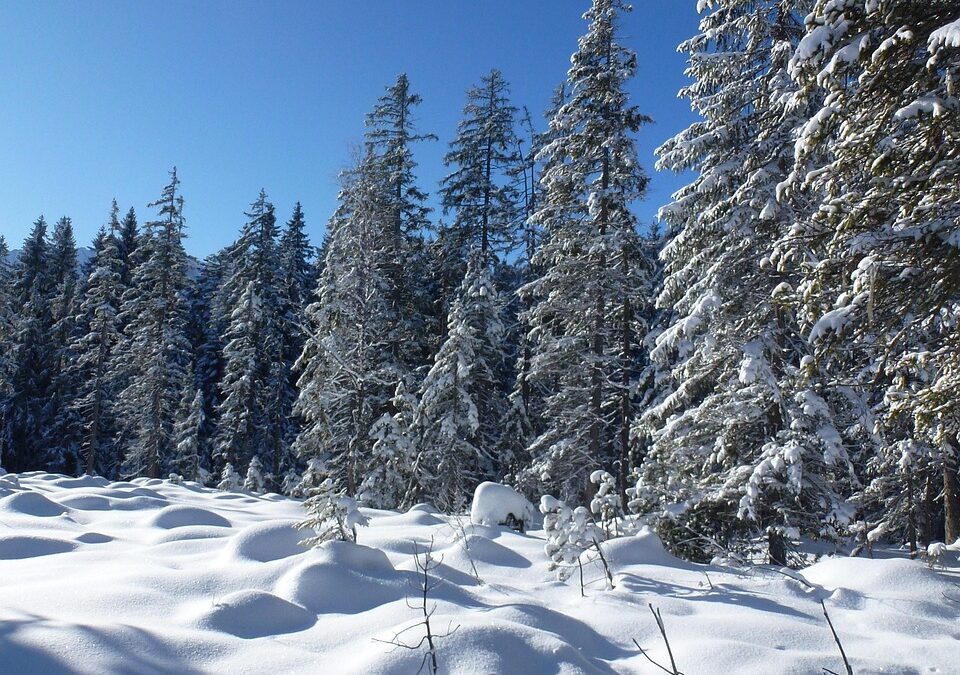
<point>99,99</point>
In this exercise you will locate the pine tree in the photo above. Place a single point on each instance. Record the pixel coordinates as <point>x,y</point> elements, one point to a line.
<point>349,368</point>
<point>93,351</point>
<point>298,275</point>
<point>128,238</point>
<point>186,436</point>
<point>155,355</point>
<point>254,480</point>
<point>593,277</point>
<point>66,424</point>
<point>390,137</point>
<point>481,190</point>
<point>7,333</point>
<point>461,402</point>
<point>250,420</point>
<point>878,152</point>
<point>392,456</point>
<point>26,411</point>
<point>333,515</point>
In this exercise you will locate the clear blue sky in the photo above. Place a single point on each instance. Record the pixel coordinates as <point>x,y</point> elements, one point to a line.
<point>99,99</point>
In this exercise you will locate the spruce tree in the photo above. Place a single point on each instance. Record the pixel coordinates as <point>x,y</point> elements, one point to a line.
<point>457,425</point>
<point>390,137</point>
<point>65,271</point>
<point>349,368</point>
<point>94,352</point>
<point>249,417</point>
<point>187,460</point>
<point>879,152</point>
<point>593,277</point>
<point>27,414</point>
<point>155,355</point>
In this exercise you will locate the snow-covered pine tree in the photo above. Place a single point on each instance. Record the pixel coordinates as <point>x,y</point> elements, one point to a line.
<point>481,190</point>
<point>6,327</point>
<point>457,424</point>
<point>128,239</point>
<point>390,137</point>
<point>66,424</point>
<point>349,368</point>
<point>333,515</point>
<point>298,284</point>
<point>889,212</point>
<point>26,411</point>
<point>254,480</point>
<point>187,436</point>
<point>747,428</point>
<point>93,351</point>
<point>229,479</point>
<point>392,457</point>
<point>593,277</point>
<point>155,354</point>
<point>249,422</point>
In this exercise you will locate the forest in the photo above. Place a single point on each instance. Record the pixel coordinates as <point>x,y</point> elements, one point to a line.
<point>775,361</point>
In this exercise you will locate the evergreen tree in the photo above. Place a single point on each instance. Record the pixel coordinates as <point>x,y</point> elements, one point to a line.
<point>250,419</point>
<point>481,190</point>
<point>7,333</point>
<point>461,403</point>
<point>392,457</point>
<point>155,355</point>
<point>349,368</point>
<point>879,152</point>
<point>593,276</point>
<point>298,285</point>
<point>27,414</point>
<point>187,434</point>
<point>93,351</point>
<point>390,137</point>
<point>66,424</point>
<point>128,237</point>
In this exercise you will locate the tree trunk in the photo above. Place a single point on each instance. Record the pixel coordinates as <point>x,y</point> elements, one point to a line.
<point>951,497</point>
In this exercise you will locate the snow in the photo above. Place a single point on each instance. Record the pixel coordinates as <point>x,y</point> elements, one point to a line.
<point>945,36</point>
<point>151,576</point>
<point>494,504</point>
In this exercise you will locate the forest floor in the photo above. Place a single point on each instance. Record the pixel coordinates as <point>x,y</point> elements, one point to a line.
<point>150,576</point>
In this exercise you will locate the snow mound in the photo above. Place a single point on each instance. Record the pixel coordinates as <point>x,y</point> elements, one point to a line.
<point>170,517</point>
<point>643,548</point>
<point>481,549</point>
<point>343,578</point>
<point>496,504</point>
<point>252,614</point>
<point>264,542</point>
<point>17,547</point>
<point>29,503</point>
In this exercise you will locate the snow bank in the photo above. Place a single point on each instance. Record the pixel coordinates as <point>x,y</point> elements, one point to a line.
<point>154,577</point>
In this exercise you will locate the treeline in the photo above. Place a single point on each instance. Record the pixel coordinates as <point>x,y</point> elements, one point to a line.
<point>780,363</point>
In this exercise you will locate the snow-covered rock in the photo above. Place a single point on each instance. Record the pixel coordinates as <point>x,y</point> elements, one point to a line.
<point>496,504</point>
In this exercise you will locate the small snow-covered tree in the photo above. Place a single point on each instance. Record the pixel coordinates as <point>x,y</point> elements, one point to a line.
<point>253,481</point>
<point>229,479</point>
<point>332,515</point>
<point>290,483</point>
<point>569,533</point>
<point>605,505</point>
<point>187,460</point>
<point>388,481</point>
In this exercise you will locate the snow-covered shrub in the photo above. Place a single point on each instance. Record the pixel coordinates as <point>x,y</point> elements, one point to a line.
<point>496,504</point>
<point>569,533</point>
<point>605,505</point>
<point>312,478</point>
<point>175,478</point>
<point>229,479</point>
<point>291,480</point>
<point>254,480</point>
<point>332,515</point>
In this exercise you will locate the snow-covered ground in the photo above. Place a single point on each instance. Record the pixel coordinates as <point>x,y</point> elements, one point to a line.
<point>150,576</point>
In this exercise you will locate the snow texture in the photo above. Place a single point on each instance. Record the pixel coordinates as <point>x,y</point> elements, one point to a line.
<point>495,504</point>
<point>180,578</point>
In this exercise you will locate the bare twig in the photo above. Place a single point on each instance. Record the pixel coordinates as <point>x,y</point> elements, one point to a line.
<point>466,548</point>
<point>836,638</point>
<point>603,559</point>
<point>425,565</point>
<point>663,632</point>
